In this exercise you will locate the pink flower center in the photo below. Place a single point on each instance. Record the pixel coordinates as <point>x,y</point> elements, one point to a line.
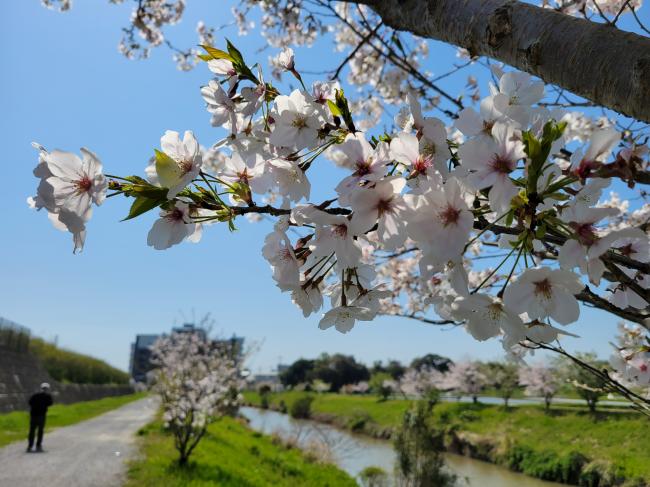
<point>500,164</point>
<point>384,206</point>
<point>543,288</point>
<point>421,164</point>
<point>243,176</point>
<point>340,230</point>
<point>185,166</point>
<point>362,168</point>
<point>83,185</point>
<point>449,215</point>
<point>285,254</point>
<point>174,215</point>
<point>585,167</point>
<point>643,367</point>
<point>585,232</point>
<point>299,122</point>
<point>627,250</point>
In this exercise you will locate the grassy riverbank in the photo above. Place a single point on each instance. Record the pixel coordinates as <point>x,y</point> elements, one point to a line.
<point>229,455</point>
<point>15,425</point>
<point>567,444</point>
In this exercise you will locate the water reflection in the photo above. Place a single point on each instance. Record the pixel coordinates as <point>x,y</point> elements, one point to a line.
<point>353,453</point>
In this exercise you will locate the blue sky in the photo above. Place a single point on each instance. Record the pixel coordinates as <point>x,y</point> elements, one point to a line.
<point>65,85</point>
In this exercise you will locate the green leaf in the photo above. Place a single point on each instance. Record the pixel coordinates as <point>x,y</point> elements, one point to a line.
<point>141,205</point>
<point>234,53</point>
<point>149,191</point>
<point>333,108</point>
<point>342,105</point>
<point>532,145</point>
<point>214,53</point>
<point>136,180</point>
<point>167,169</point>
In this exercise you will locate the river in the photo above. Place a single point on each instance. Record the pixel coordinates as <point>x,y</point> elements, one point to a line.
<point>353,453</point>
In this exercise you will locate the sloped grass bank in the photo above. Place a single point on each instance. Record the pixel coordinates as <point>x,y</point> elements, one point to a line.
<point>229,455</point>
<point>565,445</point>
<point>14,426</point>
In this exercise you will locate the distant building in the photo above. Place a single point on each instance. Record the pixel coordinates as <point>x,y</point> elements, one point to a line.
<point>282,367</point>
<point>271,380</point>
<point>140,362</point>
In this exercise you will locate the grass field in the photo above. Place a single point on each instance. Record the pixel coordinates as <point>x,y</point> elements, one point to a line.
<point>618,442</point>
<point>230,455</point>
<point>14,426</point>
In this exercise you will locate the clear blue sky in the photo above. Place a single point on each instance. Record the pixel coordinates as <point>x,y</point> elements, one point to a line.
<point>65,85</point>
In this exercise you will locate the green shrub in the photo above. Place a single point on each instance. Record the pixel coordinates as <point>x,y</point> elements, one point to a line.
<point>547,465</point>
<point>282,406</point>
<point>66,366</point>
<point>374,477</point>
<point>358,420</point>
<point>301,407</point>
<point>264,401</point>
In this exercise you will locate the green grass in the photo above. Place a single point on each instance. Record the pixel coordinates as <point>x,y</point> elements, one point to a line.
<point>14,426</point>
<point>617,439</point>
<point>229,455</point>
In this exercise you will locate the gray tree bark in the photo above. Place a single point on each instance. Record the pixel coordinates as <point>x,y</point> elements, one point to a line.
<point>599,62</point>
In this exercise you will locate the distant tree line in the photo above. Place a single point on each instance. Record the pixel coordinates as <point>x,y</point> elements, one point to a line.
<point>338,370</point>
<point>342,373</point>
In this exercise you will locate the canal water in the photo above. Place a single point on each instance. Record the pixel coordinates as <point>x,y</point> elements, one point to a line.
<point>353,453</point>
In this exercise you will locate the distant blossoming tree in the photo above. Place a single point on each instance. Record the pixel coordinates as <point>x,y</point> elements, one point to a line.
<point>504,378</point>
<point>198,381</point>
<point>540,380</point>
<point>421,382</point>
<point>466,378</point>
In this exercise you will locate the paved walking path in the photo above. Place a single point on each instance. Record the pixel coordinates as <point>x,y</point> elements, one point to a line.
<point>92,453</point>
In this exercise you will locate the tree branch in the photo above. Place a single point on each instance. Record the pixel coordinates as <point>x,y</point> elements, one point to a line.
<point>596,61</point>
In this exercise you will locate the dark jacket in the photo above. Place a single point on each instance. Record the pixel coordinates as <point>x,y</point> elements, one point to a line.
<point>39,403</point>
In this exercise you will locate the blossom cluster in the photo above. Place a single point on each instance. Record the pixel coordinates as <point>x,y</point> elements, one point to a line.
<point>631,358</point>
<point>580,7</point>
<point>417,205</point>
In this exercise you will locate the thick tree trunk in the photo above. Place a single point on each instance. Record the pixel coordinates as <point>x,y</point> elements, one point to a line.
<point>608,66</point>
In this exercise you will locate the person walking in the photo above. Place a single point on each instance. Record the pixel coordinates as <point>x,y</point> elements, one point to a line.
<point>38,405</point>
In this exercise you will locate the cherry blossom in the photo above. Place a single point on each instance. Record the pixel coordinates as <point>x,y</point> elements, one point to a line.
<point>441,219</point>
<point>279,252</point>
<point>515,95</point>
<point>343,318</point>
<point>631,357</point>
<point>335,235</point>
<point>68,187</point>
<point>178,163</point>
<point>297,121</point>
<point>384,205</point>
<point>174,226</point>
<point>602,143</point>
<point>415,154</point>
<point>369,164</point>
<point>543,292</point>
<point>220,105</point>
<point>491,161</point>
<point>585,249</point>
<point>486,317</point>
